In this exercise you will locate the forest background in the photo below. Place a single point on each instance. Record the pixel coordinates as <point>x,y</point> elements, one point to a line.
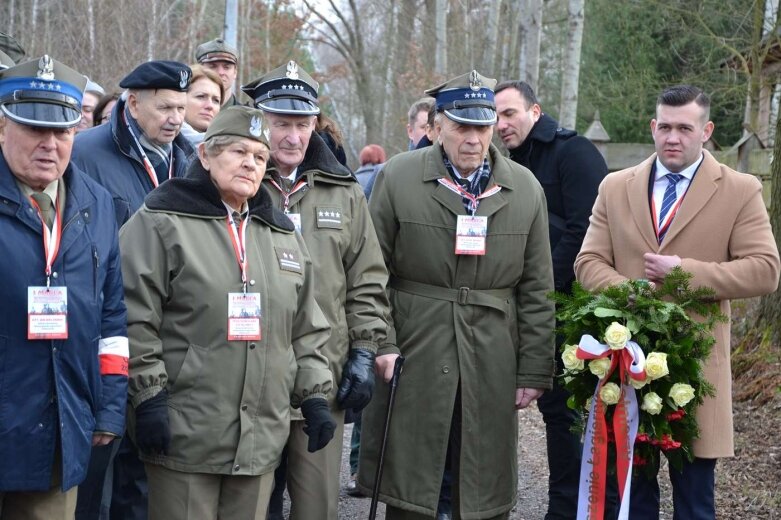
<point>374,58</point>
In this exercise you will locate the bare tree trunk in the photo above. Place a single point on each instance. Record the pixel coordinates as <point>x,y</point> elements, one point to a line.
<point>769,316</point>
<point>267,31</point>
<point>440,64</point>
<point>91,28</point>
<point>568,109</point>
<point>151,42</point>
<point>391,59</point>
<point>34,22</point>
<point>510,64</point>
<point>11,16</point>
<point>531,32</point>
<point>492,30</point>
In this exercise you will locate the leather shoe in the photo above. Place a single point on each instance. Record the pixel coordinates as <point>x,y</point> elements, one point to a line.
<point>352,487</point>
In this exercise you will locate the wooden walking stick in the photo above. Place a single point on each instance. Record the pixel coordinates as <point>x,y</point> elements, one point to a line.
<point>394,383</point>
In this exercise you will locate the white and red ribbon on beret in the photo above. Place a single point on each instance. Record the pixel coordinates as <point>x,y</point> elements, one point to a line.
<point>630,362</point>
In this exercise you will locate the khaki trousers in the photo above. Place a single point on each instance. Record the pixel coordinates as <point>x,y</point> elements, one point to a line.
<point>41,505</point>
<point>175,495</point>
<point>313,478</point>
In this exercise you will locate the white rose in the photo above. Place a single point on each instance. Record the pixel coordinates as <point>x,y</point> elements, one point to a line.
<point>681,394</point>
<point>616,336</point>
<point>637,385</point>
<point>656,365</point>
<point>652,403</point>
<point>570,358</point>
<point>610,393</point>
<point>599,367</point>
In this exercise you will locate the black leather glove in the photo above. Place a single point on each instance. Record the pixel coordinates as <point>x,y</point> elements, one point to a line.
<point>153,435</point>
<point>319,425</point>
<point>357,385</point>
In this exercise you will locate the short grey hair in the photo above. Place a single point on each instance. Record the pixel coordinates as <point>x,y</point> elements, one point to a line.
<point>215,145</point>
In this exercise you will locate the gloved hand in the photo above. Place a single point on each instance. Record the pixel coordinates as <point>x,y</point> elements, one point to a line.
<point>319,425</point>
<point>153,435</point>
<point>357,385</point>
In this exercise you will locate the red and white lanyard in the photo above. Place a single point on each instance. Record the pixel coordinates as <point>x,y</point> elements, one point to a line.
<point>474,202</point>
<point>51,238</point>
<point>238,239</point>
<point>287,194</point>
<point>661,230</point>
<point>150,170</point>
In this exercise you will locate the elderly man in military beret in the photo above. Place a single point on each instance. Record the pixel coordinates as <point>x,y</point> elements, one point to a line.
<point>328,206</point>
<point>64,346</point>
<point>141,147</point>
<point>223,59</point>
<point>464,234</point>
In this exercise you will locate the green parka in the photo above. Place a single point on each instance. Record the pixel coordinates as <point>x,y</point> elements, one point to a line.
<point>229,401</point>
<point>482,322</point>
<point>350,273</point>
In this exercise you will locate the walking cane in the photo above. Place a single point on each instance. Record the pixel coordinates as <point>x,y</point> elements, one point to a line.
<point>394,383</point>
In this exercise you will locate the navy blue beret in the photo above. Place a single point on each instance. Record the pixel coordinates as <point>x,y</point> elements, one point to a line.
<point>170,75</point>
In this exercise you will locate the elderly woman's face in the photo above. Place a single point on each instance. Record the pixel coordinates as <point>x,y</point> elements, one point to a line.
<point>238,170</point>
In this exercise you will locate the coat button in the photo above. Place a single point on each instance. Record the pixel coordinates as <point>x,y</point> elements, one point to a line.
<point>252,346</point>
<point>54,350</point>
<point>244,408</point>
<point>40,425</point>
<point>445,369</point>
<point>252,282</point>
<point>236,467</point>
<point>54,274</point>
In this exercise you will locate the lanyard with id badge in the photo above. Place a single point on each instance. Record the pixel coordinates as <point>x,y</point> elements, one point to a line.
<point>243,307</point>
<point>471,230</point>
<point>47,307</point>
<point>295,218</point>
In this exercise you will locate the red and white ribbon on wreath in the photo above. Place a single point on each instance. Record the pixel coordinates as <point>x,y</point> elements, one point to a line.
<point>630,362</point>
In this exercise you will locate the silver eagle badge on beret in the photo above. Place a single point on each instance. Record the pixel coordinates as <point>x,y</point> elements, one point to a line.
<point>184,79</point>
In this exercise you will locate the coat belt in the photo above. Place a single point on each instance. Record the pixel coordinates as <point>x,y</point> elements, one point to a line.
<point>494,298</point>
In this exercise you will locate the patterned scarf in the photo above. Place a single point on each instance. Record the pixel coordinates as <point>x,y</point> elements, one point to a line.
<point>478,183</point>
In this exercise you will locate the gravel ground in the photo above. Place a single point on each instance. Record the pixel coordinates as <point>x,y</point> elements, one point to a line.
<point>748,486</point>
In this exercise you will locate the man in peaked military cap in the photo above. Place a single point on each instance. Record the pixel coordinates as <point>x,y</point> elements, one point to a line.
<point>138,150</point>
<point>141,147</point>
<point>464,234</point>
<point>63,390</point>
<point>328,206</point>
<point>223,59</point>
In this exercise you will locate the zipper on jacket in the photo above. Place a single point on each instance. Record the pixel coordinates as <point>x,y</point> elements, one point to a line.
<point>95,267</point>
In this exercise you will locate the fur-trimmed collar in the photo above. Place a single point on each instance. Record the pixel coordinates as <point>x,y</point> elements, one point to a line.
<point>197,195</point>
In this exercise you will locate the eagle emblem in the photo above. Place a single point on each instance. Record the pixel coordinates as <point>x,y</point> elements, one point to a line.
<point>46,68</point>
<point>184,79</point>
<point>474,81</point>
<point>292,70</point>
<point>255,126</point>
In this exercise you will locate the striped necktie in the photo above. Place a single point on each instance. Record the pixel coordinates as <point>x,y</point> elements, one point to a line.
<point>668,200</point>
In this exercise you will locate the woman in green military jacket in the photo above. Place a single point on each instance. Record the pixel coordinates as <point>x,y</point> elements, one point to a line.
<point>225,333</point>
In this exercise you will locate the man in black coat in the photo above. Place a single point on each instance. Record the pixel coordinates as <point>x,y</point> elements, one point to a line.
<point>570,168</point>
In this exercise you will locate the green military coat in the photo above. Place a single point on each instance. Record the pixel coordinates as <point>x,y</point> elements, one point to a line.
<point>491,334</point>
<point>350,274</point>
<point>229,401</point>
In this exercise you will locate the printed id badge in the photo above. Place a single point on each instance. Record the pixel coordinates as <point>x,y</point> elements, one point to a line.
<point>295,218</point>
<point>47,313</point>
<point>470,235</point>
<point>244,316</point>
